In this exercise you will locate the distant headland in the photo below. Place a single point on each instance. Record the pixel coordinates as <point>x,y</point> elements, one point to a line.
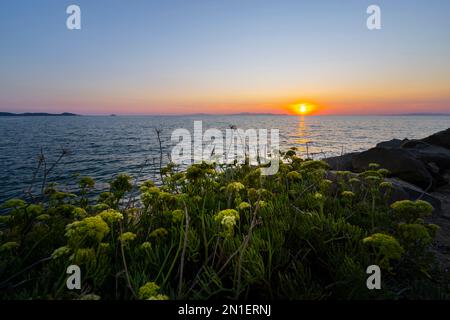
<point>36,114</point>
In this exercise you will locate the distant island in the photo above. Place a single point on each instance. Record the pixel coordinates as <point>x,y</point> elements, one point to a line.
<point>229,114</point>
<point>36,114</point>
<point>258,114</point>
<point>421,114</point>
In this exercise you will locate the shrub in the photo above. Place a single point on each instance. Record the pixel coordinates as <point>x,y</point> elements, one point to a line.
<point>408,211</point>
<point>219,232</point>
<point>385,247</point>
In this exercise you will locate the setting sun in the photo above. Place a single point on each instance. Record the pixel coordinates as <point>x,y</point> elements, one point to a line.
<point>302,108</point>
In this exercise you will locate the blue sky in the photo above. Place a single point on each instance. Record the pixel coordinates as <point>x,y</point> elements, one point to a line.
<point>194,56</point>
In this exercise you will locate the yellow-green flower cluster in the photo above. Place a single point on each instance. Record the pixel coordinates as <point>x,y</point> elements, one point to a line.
<point>386,185</point>
<point>199,171</point>
<point>343,174</point>
<point>79,213</point>
<point>111,216</point>
<point>8,246</point>
<point>244,206</point>
<point>167,198</point>
<point>146,246</point>
<point>34,209</point>
<point>315,165</point>
<point>60,252</point>
<point>91,228</point>
<point>408,211</point>
<point>373,166</point>
<point>84,255</point>
<point>149,194</point>
<point>43,217</point>
<point>235,187</point>
<point>386,248</point>
<point>294,176</point>
<point>177,215</point>
<point>260,194</point>
<point>228,219</point>
<point>127,237</point>
<point>348,194</point>
<point>104,247</point>
<point>373,179</point>
<point>150,291</point>
<point>159,297</point>
<point>318,196</point>
<point>325,184</point>
<point>414,233</point>
<point>159,233</point>
<point>14,203</point>
<point>261,204</point>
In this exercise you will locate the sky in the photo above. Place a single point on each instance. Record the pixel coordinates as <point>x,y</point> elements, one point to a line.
<point>225,56</point>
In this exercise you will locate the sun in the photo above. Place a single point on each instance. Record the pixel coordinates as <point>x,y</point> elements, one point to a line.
<point>302,108</point>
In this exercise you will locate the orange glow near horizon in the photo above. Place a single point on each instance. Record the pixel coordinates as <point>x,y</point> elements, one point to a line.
<point>302,108</point>
<point>307,106</point>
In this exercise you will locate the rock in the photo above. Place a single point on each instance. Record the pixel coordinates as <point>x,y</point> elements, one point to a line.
<point>391,144</point>
<point>441,139</point>
<point>429,153</point>
<point>433,168</point>
<point>421,162</point>
<point>403,190</point>
<point>400,162</point>
<point>343,162</point>
<point>411,144</point>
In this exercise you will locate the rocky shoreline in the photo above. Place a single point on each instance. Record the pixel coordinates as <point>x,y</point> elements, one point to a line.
<point>419,169</point>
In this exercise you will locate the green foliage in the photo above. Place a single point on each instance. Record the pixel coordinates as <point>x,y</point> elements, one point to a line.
<point>409,211</point>
<point>385,247</point>
<point>149,291</point>
<point>88,230</point>
<point>220,232</point>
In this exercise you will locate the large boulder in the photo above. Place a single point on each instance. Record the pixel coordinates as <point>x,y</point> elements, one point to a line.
<point>429,153</point>
<point>403,190</point>
<point>392,144</point>
<point>400,162</point>
<point>441,139</point>
<point>343,162</point>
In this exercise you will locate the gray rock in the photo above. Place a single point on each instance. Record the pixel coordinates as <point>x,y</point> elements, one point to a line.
<point>406,191</point>
<point>343,162</point>
<point>401,190</point>
<point>429,153</point>
<point>400,162</point>
<point>391,144</point>
<point>441,139</point>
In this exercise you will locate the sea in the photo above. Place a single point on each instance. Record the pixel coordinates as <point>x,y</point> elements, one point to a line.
<point>103,146</point>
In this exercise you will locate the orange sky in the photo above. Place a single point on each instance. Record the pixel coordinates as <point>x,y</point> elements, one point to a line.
<point>226,57</point>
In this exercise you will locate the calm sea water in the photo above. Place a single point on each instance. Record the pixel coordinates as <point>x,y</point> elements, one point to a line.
<point>103,146</point>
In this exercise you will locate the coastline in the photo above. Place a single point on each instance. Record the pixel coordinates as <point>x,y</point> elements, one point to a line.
<point>419,170</point>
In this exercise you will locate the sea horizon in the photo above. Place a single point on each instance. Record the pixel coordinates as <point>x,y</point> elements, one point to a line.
<point>68,114</point>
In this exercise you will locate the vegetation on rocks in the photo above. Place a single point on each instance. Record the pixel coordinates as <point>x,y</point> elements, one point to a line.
<point>215,232</point>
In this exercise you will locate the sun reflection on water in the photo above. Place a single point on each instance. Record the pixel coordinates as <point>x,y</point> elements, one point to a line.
<point>302,140</point>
